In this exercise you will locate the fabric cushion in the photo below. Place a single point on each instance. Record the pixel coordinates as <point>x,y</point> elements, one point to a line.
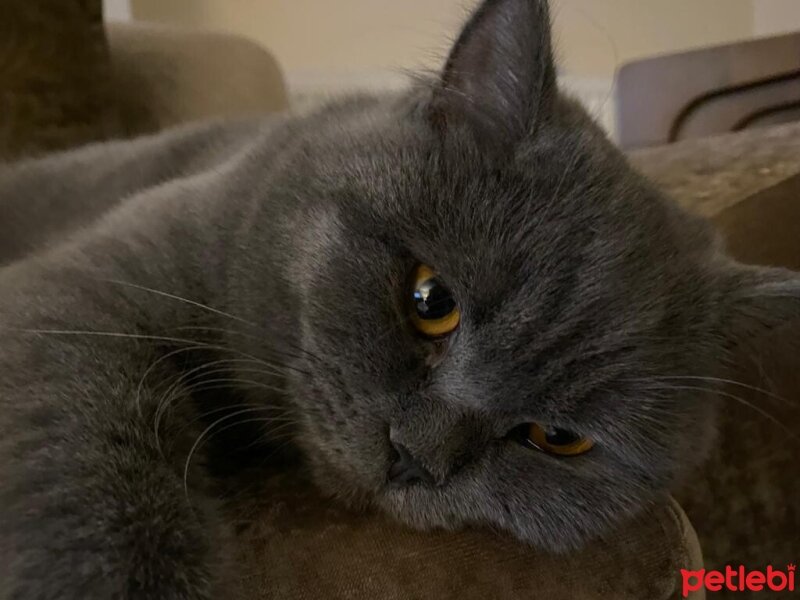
<point>164,76</point>
<point>744,502</point>
<point>299,545</point>
<point>55,79</point>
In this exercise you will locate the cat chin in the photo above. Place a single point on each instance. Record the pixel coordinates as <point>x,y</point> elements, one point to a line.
<point>423,508</point>
<point>412,509</point>
<point>428,509</point>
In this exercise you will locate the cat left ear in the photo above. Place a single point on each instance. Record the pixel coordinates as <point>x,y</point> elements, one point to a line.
<point>762,299</point>
<point>500,77</point>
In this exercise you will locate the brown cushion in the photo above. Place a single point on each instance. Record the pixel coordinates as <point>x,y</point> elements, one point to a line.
<point>744,502</point>
<point>164,76</point>
<point>299,545</point>
<point>54,76</point>
<point>764,229</point>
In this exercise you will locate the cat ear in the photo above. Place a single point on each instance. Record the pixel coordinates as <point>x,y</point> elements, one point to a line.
<point>499,78</point>
<point>762,299</point>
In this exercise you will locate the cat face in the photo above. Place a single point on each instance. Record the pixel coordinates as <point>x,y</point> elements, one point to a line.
<point>579,293</point>
<point>572,307</point>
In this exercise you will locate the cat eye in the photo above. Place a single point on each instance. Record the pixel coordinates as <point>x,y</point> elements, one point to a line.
<point>553,440</point>
<point>434,312</point>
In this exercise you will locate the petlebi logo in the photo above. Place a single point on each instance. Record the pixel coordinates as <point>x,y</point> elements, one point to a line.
<point>739,580</point>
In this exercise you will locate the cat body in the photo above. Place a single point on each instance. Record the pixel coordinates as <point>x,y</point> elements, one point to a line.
<point>271,258</point>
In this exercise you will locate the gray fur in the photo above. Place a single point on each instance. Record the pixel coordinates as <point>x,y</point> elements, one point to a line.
<point>580,286</point>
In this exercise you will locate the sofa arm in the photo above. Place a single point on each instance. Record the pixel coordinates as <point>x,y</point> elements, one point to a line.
<point>301,546</point>
<point>164,76</point>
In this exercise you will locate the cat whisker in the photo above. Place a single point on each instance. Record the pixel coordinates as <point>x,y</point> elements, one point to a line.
<point>233,371</point>
<point>266,368</point>
<point>167,398</point>
<point>764,413</point>
<point>217,330</point>
<point>305,353</point>
<point>281,413</point>
<point>178,298</point>
<point>191,374</point>
<point>203,436</point>
<point>259,338</point>
<point>152,366</point>
<point>270,435</point>
<point>193,344</point>
<point>282,445</point>
<point>740,384</point>
<point>160,338</point>
<point>137,336</point>
<point>229,383</point>
<point>110,334</point>
<point>278,413</point>
<point>201,305</point>
<point>249,359</point>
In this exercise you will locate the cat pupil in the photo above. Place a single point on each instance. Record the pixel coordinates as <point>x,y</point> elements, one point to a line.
<point>560,437</point>
<point>433,300</point>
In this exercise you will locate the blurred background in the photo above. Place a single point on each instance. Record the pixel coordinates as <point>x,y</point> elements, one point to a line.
<point>324,46</point>
<point>652,72</point>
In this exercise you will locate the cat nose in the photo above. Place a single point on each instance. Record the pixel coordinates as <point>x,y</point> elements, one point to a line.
<point>406,469</point>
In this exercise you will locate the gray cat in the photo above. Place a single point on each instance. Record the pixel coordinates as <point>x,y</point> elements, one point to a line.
<point>459,303</point>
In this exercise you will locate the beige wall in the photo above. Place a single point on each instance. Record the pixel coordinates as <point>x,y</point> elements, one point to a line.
<point>357,35</point>
<point>776,16</point>
<point>324,34</point>
<point>593,36</point>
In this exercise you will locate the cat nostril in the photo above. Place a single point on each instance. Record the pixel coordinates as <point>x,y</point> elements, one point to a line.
<point>406,469</point>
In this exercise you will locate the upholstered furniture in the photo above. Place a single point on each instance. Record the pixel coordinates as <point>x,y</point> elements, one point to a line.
<point>707,91</point>
<point>68,79</point>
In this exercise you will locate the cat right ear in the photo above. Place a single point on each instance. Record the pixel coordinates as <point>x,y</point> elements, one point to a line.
<point>499,79</point>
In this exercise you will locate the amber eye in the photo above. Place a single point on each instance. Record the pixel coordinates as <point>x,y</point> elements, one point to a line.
<point>559,442</point>
<point>434,312</point>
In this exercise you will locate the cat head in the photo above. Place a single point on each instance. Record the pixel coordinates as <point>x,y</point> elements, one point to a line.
<point>502,322</point>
